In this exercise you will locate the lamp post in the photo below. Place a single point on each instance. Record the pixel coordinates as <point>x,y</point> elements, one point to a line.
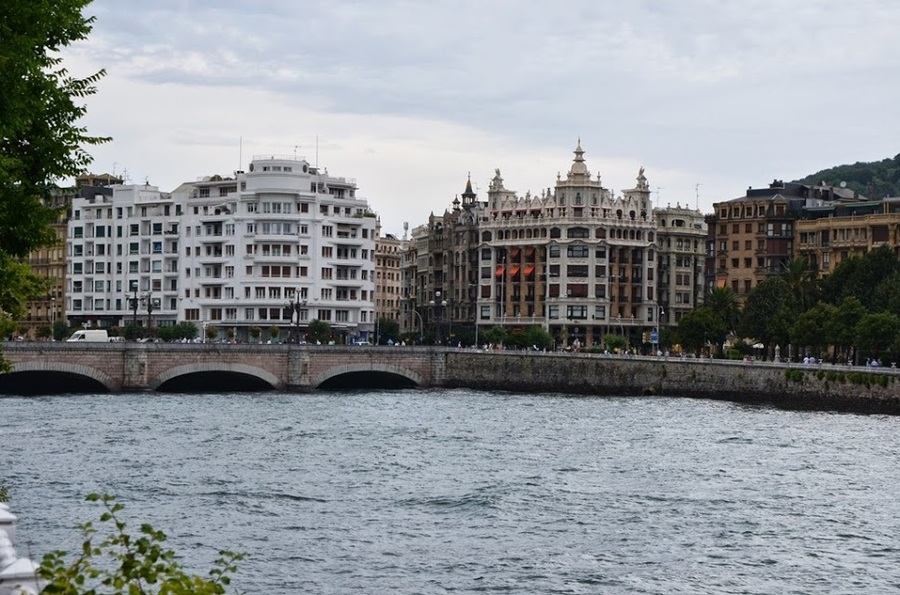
<point>421,325</point>
<point>134,302</point>
<point>293,309</point>
<point>152,304</point>
<point>442,304</point>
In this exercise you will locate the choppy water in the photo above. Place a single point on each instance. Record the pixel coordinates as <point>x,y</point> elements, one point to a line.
<point>457,491</point>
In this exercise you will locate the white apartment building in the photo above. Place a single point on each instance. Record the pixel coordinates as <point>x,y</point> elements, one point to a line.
<point>278,246</point>
<point>122,251</point>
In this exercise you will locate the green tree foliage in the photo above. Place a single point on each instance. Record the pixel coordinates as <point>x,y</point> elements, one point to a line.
<point>699,327</point>
<point>850,312</point>
<point>177,332</point>
<point>814,329</point>
<point>769,313</point>
<point>886,296</point>
<point>495,335</point>
<point>119,563</point>
<point>860,276</point>
<point>724,303</point>
<point>615,343</point>
<point>801,282</point>
<point>528,338</point>
<point>212,331</point>
<point>60,330</point>
<point>874,179</point>
<point>388,328</point>
<point>40,140</point>
<point>319,331</point>
<point>876,333</point>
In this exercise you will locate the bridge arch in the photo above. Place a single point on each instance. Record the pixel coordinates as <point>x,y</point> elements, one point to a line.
<point>68,368</point>
<point>335,371</point>
<point>186,369</point>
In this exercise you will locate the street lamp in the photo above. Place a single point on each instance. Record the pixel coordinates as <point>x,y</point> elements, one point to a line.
<point>152,304</point>
<point>293,309</point>
<point>134,302</point>
<point>442,304</point>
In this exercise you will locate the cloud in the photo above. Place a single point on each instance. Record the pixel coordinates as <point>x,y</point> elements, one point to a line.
<point>408,97</point>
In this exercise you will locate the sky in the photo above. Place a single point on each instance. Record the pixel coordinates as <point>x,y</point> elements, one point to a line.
<point>409,98</point>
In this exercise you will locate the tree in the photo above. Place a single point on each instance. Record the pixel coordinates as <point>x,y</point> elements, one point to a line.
<point>273,332</point>
<point>212,331</point>
<point>815,328</point>
<point>388,328</point>
<point>723,302</point>
<point>801,282</point>
<point>120,563</point>
<point>255,332</point>
<point>769,313</point>
<point>877,332</point>
<point>40,140</point>
<point>701,326</point>
<point>849,313</point>
<point>496,335</point>
<point>60,330</point>
<point>319,331</point>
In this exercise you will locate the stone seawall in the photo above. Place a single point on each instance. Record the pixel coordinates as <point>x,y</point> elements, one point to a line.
<point>809,387</point>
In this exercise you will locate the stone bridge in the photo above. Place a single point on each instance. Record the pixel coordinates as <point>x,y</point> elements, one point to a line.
<point>118,367</point>
<point>53,368</point>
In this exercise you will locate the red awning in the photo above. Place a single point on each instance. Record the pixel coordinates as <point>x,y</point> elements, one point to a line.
<point>529,270</point>
<point>514,252</point>
<point>499,272</point>
<point>513,271</point>
<point>529,251</point>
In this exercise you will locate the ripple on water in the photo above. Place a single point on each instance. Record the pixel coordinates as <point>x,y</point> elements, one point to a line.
<point>421,492</point>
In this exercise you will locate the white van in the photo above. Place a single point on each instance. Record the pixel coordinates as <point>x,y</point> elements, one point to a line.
<point>90,336</point>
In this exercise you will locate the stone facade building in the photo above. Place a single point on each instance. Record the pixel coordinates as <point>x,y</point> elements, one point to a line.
<point>388,275</point>
<point>752,237</point>
<point>575,259</point>
<point>833,232</point>
<point>681,238</point>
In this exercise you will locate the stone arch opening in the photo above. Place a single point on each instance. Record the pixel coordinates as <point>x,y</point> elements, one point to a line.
<point>46,378</point>
<point>215,376</point>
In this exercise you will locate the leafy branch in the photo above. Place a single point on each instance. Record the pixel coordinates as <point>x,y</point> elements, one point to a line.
<point>121,564</point>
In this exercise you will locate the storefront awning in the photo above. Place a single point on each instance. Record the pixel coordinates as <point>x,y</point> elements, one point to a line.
<point>499,272</point>
<point>513,271</point>
<point>529,270</point>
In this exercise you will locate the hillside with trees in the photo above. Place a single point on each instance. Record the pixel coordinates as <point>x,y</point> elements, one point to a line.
<point>874,179</point>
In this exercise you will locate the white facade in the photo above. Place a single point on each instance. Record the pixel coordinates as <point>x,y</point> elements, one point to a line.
<point>280,245</point>
<point>122,243</point>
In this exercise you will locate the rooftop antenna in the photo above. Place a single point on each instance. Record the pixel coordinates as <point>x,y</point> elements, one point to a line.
<point>658,188</point>
<point>240,152</point>
<point>697,196</point>
<point>317,152</point>
<point>295,151</point>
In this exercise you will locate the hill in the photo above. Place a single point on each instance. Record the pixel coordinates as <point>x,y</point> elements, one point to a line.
<point>875,179</point>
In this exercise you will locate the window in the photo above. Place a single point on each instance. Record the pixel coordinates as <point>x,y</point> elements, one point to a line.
<point>577,251</point>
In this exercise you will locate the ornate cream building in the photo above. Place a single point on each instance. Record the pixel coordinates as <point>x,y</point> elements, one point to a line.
<point>576,259</point>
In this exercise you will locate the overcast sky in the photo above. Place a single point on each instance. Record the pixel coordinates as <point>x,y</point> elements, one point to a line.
<point>408,97</point>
